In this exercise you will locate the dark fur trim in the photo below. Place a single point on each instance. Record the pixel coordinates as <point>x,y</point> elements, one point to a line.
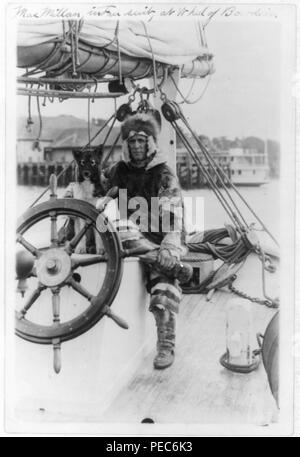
<point>140,122</point>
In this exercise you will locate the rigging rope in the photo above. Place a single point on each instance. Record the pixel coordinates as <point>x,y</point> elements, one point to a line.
<point>40,118</point>
<point>235,253</point>
<point>29,118</point>
<point>153,58</point>
<point>215,167</point>
<point>113,39</point>
<point>119,52</point>
<point>41,67</point>
<point>104,162</point>
<point>76,38</point>
<point>185,98</point>
<point>262,257</point>
<point>72,40</point>
<point>64,29</point>
<point>189,91</point>
<point>230,184</point>
<point>89,120</point>
<point>172,113</point>
<point>232,253</point>
<point>209,178</point>
<point>110,129</point>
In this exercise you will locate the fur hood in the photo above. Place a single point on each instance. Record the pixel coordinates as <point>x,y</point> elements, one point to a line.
<point>142,122</point>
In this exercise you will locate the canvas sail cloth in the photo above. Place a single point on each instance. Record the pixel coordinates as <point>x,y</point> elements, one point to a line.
<point>179,43</point>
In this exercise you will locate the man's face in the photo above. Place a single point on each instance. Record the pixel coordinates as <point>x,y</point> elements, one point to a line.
<point>138,148</point>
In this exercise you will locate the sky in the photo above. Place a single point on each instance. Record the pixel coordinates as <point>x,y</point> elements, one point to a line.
<point>242,97</point>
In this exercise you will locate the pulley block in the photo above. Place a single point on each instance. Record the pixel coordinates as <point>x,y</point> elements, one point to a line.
<point>170,111</point>
<point>117,86</point>
<point>124,111</point>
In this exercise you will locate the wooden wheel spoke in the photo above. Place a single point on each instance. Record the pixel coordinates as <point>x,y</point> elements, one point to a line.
<point>56,321</point>
<point>33,250</point>
<point>54,233</point>
<point>34,296</point>
<point>80,289</point>
<point>84,261</point>
<point>74,242</point>
<point>56,355</point>
<point>56,306</point>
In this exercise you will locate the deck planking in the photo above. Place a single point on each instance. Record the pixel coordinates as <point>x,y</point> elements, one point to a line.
<point>196,388</point>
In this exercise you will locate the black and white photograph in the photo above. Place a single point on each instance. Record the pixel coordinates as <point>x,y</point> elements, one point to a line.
<point>149,219</point>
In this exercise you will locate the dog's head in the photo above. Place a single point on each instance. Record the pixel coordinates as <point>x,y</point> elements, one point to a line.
<point>88,164</point>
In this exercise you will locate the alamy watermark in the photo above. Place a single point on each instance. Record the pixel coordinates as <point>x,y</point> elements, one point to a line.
<point>163,214</point>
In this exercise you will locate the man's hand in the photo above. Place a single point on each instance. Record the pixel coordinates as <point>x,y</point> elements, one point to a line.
<point>101,205</point>
<point>165,259</point>
<point>104,201</point>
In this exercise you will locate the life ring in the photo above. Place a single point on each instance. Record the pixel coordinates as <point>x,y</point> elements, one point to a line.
<point>54,268</point>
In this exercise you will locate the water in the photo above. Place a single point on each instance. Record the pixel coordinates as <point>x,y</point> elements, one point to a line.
<point>209,214</point>
<point>264,200</point>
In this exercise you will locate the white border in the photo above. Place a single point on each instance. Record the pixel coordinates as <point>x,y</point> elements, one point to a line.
<point>287,204</point>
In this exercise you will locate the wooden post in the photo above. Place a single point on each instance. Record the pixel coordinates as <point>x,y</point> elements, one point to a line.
<point>40,173</point>
<point>46,179</point>
<point>30,173</point>
<point>35,173</point>
<point>25,170</point>
<point>43,177</point>
<point>55,168</point>
<point>20,174</point>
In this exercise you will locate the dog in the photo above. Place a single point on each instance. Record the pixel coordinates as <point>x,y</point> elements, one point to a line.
<point>87,187</point>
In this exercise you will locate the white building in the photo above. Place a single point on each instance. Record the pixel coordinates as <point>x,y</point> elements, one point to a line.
<point>31,150</point>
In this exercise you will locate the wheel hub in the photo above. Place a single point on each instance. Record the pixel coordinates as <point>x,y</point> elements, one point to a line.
<point>53,267</point>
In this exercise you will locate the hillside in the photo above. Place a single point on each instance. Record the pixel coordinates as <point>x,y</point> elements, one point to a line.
<point>52,127</point>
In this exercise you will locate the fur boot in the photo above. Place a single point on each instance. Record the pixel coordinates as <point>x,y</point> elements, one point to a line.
<point>165,322</point>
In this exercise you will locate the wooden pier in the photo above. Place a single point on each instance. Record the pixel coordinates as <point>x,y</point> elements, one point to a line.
<point>38,174</point>
<point>190,177</point>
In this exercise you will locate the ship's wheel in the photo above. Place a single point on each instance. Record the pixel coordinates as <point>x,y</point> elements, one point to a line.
<point>58,267</point>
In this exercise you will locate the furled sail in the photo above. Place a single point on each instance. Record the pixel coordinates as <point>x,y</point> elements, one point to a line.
<point>101,47</point>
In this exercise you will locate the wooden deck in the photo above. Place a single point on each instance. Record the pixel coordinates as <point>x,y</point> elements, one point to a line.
<point>196,388</point>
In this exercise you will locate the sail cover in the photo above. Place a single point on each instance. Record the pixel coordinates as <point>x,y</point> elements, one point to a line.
<point>179,43</point>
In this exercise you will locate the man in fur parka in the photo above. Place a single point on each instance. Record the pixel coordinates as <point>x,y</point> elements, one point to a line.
<point>147,179</point>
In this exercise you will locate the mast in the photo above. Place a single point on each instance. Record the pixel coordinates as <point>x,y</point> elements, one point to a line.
<point>167,136</point>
